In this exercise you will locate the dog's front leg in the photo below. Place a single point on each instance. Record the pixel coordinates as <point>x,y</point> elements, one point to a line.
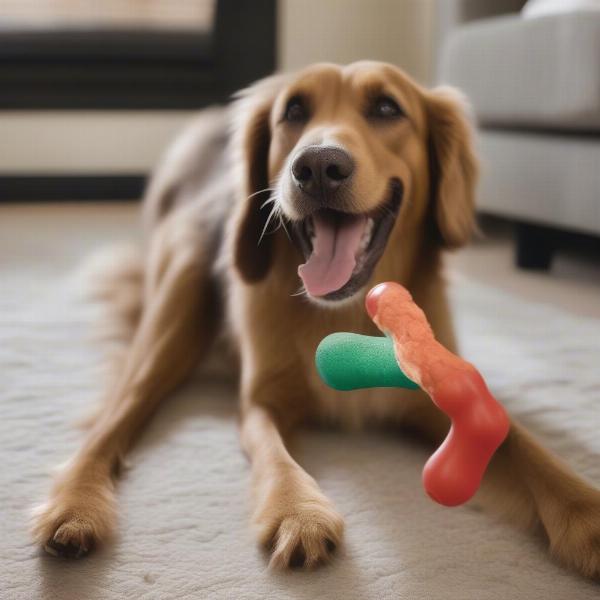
<point>294,519</point>
<point>177,325</point>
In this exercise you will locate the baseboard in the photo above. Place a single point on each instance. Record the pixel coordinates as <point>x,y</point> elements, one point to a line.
<point>53,188</point>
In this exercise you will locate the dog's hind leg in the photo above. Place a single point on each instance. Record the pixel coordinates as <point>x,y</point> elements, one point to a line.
<point>177,324</point>
<point>531,487</point>
<point>534,487</point>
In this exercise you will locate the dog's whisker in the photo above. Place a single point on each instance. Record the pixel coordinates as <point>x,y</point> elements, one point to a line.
<point>273,212</point>
<point>282,223</point>
<point>264,229</point>
<point>267,189</point>
<point>269,200</point>
<point>390,212</point>
<point>300,292</point>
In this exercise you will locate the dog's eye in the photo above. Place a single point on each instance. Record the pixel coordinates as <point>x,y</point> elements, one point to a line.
<point>385,107</point>
<point>296,110</point>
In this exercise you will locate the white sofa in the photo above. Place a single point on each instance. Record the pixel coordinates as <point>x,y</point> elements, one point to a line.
<point>534,84</point>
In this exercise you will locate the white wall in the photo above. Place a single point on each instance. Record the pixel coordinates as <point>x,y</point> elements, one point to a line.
<point>85,142</point>
<point>342,31</point>
<point>398,31</point>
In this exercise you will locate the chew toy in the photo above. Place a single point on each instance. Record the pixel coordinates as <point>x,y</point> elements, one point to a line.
<point>411,357</point>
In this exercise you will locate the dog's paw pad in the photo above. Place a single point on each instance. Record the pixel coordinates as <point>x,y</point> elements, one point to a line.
<point>72,539</point>
<point>306,540</point>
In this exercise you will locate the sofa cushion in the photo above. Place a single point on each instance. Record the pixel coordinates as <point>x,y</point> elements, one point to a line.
<point>542,72</point>
<point>546,178</point>
<point>537,8</point>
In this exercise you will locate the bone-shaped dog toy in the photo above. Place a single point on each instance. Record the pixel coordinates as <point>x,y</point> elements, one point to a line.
<point>411,357</point>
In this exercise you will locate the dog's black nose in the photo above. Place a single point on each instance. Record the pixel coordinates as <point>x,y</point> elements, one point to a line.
<point>321,170</point>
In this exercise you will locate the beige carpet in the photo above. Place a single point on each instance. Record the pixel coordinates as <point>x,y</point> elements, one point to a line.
<point>184,505</point>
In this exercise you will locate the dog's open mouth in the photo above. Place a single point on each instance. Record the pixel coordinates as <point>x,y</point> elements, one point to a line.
<point>341,249</point>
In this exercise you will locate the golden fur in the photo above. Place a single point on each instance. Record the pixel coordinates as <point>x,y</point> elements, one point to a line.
<point>202,262</point>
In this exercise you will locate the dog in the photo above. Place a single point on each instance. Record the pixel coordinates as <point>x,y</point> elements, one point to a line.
<point>266,223</point>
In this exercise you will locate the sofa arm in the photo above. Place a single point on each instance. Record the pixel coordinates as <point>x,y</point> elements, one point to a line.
<point>453,13</point>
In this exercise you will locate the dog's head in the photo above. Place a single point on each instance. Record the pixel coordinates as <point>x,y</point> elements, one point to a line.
<point>352,161</point>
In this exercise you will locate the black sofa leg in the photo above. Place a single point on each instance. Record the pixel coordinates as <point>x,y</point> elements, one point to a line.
<point>535,246</point>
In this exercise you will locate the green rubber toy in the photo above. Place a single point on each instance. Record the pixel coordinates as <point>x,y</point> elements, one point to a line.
<point>349,361</point>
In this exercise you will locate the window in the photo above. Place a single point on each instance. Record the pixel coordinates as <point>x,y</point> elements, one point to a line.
<point>105,55</point>
<point>143,14</point>
<point>65,54</point>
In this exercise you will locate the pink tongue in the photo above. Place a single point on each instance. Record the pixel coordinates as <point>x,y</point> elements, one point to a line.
<point>333,259</point>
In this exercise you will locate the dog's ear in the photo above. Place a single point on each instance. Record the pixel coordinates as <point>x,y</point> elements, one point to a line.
<point>453,166</point>
<point>251,140</point>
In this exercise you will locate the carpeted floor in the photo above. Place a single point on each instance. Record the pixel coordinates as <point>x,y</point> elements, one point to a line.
<point>184,508</point>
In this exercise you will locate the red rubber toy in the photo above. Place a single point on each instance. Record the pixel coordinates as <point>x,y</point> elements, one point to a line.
<point>479,423</point>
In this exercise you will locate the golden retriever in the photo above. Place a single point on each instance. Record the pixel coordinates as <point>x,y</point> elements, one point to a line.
<point>334,179</point>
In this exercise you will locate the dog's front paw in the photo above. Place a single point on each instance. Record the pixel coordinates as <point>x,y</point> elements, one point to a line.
<point>74,519</point>
<point>575,536</point>
<point>298,524</point>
